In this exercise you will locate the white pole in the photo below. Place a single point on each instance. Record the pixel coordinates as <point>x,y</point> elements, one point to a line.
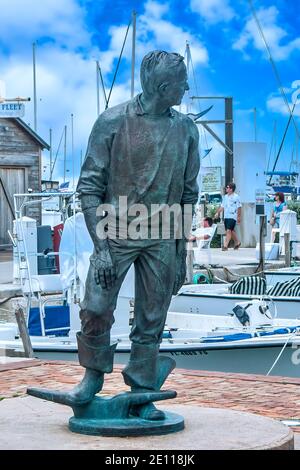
<point>297,151</point>
<point>188,61</point>
<point>34,87</point>
<point>133,51</point>
<point>65,153</point>
<point>72,137</point>
<point>50,139</point>
<point>98,87</point>
<point>275,139</point>
<point>2,91</point>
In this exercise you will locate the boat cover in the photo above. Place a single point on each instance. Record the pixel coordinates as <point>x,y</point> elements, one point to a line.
<point>256,334</point>
<point>76,239</point>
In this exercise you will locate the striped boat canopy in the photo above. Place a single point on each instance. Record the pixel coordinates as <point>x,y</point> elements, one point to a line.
<point>289,288</point>
<point>251,285</point>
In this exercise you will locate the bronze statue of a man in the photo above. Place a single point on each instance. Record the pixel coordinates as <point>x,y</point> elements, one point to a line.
<point>147,152</point>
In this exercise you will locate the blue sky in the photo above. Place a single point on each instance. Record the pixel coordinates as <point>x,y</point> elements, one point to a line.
<point>228,55</point>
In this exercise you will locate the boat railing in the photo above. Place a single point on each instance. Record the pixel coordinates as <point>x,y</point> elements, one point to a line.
<point>38,285</point>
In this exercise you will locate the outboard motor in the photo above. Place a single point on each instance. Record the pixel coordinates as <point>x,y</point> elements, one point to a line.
<point>254,314</point>
<point>241,314</point>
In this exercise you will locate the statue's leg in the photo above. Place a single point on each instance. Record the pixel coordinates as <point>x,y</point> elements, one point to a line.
<point>95,352</point>
<point>96,356</point>
<point>146,371</point>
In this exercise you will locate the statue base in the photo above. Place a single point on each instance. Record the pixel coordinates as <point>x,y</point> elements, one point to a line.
<point>112,416</point>
<point>127,427</point>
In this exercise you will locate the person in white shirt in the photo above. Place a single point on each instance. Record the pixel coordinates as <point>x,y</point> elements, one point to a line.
<point>231,206</point>
<point>204,232</point>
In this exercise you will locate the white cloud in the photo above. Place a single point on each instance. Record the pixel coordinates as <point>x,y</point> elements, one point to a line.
<point>65,85</point>
<point>117,35</point>
<point>275,104</point>
<point>25,20</point>
<point>213,11</point>
<point>66,78</point>
<point>173,38</point>
<point>276,37</point>
<point>155,9</point>
<point>153,32</point>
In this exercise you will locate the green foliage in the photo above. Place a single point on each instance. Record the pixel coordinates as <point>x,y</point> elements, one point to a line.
<point>216,241</point>
<point>211,210</point>
<point>295,206</point>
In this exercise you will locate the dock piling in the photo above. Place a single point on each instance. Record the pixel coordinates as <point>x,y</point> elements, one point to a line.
<point>24,332</point>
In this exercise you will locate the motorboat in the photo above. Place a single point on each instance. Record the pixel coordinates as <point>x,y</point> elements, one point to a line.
<point>216,299</point>
<point>247,342</point>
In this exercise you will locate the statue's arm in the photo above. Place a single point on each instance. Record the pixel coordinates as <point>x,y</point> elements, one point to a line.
<point>191,188</point>
<point>188,202</point>
<point>91,189</point>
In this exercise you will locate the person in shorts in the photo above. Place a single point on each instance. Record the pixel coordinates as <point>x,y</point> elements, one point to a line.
<point>231,206</point>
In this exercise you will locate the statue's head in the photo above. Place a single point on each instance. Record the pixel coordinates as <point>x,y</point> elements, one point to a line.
<point>164,74</point>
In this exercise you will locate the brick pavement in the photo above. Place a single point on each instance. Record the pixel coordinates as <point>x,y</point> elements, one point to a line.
<point>274,397</point>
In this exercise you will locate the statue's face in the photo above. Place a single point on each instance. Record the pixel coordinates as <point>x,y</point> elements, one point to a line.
<point>176,86</point>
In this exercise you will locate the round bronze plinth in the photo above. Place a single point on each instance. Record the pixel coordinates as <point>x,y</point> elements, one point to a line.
<point>127,427</point>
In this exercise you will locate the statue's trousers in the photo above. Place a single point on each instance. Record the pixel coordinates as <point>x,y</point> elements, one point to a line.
<point>154,262</point>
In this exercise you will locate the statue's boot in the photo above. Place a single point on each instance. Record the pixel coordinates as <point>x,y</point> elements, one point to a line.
<point>148,411</point>
<point>83,393</point>
<point>146,371</point>
<point>96,355</point>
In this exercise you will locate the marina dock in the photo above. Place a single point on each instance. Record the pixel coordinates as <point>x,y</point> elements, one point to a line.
<point>237,263</point>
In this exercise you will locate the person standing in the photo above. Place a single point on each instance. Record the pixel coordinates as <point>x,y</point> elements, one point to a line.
<point>231,206</point>
<point>278,207</point>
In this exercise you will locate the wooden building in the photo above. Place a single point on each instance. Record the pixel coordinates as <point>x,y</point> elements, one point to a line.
<point>20,169</point>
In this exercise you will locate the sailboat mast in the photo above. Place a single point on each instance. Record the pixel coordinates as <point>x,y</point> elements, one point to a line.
<point>275,139</point>
<point>188,62</point>
<point>51,153</point>
<point>65,152</point>
<point>133,51</point>
<point>282,141</point>
<point>34,86</point>
<point>72,146</point>
<point>98,87</point>
<point>297,151</point>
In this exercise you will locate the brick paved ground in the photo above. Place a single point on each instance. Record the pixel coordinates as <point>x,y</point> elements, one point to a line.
<point>274,397</point>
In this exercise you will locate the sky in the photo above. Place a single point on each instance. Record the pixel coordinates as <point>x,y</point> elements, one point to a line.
<point>228,55</point>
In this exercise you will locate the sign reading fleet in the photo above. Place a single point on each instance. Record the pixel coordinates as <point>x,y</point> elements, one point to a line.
<point>12,110</point>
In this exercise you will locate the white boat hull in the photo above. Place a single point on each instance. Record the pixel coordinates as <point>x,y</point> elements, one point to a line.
<point>214,300</point>
<point>253,356</point>
<point>254,360</point>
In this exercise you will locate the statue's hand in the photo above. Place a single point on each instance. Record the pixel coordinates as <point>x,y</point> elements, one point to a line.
<point>104,267</point>
<point>180,266</point>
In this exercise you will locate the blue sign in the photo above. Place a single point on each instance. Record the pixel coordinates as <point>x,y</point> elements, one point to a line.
<point>12,110</point>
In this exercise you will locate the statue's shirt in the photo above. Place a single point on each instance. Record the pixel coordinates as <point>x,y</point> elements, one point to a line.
<point>147,159</point>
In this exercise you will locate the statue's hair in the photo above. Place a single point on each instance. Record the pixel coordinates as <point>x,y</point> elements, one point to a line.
<point>156,67</point>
